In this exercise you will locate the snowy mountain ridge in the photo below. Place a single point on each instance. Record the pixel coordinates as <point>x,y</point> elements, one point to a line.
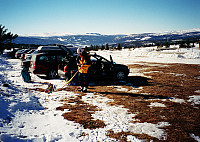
<point>100,39</point>
<point>52,34</point>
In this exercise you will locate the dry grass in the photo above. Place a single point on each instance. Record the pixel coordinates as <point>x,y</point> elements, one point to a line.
<point>168,81</point>
<point>81,113</point>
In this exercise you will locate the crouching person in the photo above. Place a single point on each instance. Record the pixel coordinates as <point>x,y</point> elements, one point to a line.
<point>83,62</point>
<point>25,71</point>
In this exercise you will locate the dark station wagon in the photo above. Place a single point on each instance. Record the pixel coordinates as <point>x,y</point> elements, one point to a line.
<point>100,67</point>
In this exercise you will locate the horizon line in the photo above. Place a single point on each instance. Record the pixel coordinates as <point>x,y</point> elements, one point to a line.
<point>50,34</point>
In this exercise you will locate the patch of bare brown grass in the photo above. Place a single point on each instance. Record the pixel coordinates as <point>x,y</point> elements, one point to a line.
<point>122,136</point>
<point>81,113</point>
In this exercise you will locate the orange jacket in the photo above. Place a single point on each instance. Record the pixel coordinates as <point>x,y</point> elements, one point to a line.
<point>83,62</point>
<point>83,68</point>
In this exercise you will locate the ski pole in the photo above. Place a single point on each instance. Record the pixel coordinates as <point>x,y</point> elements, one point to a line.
<point>71,79</point>
<point>73,76</point>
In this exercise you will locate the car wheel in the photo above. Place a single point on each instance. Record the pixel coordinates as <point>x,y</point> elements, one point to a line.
<point>120,75</point>
<point>52,74</point>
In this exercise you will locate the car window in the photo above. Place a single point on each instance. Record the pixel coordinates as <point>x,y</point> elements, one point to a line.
<point>52,58</point>
<point>93,58</point>
<point>62,57</point>
<point>25,51</point>
<point>47,59</point>
<point>99,58</point>
<point>69,52</point>
<point>43,59</point>
<point>31,51</point>
<point>104,60</point>
<point>35,52</point>
<point>19,51</point>
<point>59,58</point>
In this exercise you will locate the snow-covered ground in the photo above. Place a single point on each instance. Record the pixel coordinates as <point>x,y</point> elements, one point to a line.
<point>32,115</point>
<point>149,54</point>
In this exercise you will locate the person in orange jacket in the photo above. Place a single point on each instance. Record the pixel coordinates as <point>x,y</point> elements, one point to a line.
<point>83,62</point>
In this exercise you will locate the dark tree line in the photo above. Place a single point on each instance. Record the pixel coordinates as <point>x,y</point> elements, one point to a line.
<point>6,39</point>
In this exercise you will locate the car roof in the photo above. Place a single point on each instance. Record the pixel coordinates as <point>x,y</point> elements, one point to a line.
<point>48,48</point>
<point>51,53</point>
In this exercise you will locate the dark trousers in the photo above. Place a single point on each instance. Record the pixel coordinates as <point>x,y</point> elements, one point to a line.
<point>84,79</point>
<point>25,74</point>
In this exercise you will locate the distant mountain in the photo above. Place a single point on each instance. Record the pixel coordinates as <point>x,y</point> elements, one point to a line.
<point>99,39</point>
<point>76,40</point>
<point>171,37</point>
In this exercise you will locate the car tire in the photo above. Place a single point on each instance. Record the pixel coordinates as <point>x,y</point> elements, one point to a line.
<point>120,75</point>
<point>52,74</point>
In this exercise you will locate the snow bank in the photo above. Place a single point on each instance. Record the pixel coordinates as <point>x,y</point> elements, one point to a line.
<point>149,54</point>
<point>197,138</point>
<point>195,100</point>
<point>155,104</point>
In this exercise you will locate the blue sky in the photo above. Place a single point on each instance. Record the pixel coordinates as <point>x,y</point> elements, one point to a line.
<point>99,16</point>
